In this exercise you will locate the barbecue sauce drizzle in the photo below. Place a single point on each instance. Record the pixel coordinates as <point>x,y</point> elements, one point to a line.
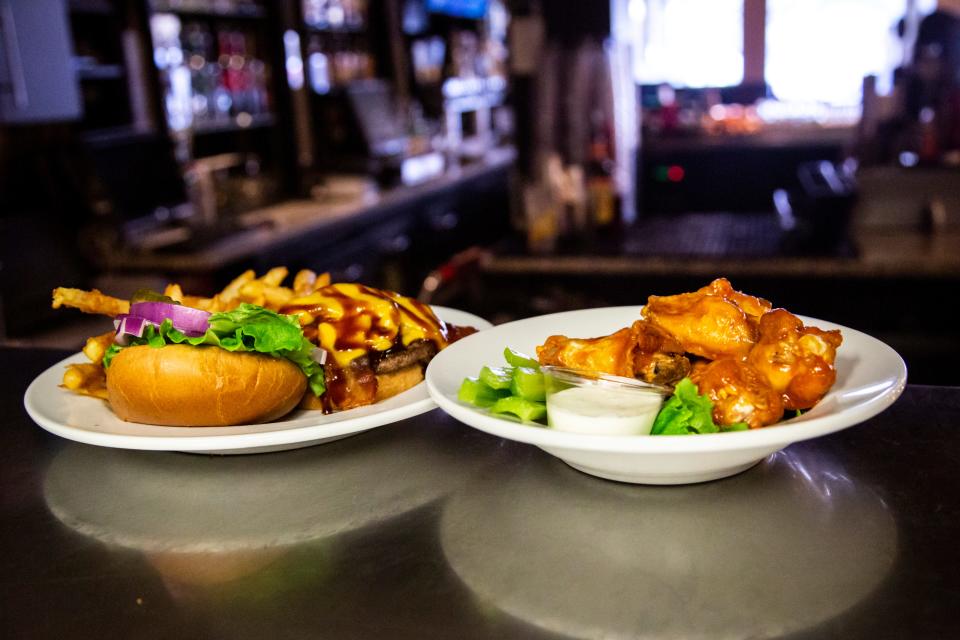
<point>361,326</point>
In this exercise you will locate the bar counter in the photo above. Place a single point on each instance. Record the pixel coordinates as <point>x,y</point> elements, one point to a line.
<point>429,529</point>
<point>705,244</point>
<point>276,228</point>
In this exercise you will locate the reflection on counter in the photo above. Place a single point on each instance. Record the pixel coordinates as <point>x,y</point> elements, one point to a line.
<point>201,504</point>
<point>204,521</point>
<point>693,561</point>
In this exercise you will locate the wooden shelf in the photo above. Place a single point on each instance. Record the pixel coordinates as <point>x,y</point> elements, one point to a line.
<point>232,125</point>
<point>336,30</point>
<point>96,7</point>
<point>211,11</point>
<point>109,136</point>
<point>101,72</point>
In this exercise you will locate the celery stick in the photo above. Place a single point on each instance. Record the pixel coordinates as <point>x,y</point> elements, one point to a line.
<point>524,409</point>
<point>517,359</point>
<point>496,377</point>
<point>474,392</point>
<point>528,384</point>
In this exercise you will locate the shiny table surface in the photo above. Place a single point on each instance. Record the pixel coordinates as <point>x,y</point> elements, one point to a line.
<point>429,529</point>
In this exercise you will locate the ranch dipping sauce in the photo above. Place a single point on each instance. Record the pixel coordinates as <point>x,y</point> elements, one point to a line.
<point>599,404</point>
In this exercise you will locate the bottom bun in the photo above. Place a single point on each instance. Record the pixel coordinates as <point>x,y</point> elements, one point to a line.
<point>390,384</point>
<point>387,386</point>
<point>186,386</point>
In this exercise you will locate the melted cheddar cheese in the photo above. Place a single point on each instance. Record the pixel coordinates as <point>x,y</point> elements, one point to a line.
<point>349,320</point>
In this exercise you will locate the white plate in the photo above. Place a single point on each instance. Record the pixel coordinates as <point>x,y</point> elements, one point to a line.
<point>870,377</point>
<point>91,421</point>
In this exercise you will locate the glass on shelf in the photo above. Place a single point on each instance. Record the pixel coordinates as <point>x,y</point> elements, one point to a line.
<point>335,63</point>
<point>239,8</point>
<point>335,15</point>
<point>213,78</point>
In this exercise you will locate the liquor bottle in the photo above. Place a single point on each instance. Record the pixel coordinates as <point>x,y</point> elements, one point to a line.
<point>602,196</point>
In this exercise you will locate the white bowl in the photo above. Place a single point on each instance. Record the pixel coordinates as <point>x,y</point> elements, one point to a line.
<point>870,377</point>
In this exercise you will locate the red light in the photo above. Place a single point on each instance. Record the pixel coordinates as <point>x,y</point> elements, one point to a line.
<point>675,173</point>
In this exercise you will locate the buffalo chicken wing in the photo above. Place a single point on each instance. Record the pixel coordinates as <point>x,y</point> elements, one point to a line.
<point>796,361</point>
<point>739,393</point>
<point>639,351</point>
<point>713,322</point>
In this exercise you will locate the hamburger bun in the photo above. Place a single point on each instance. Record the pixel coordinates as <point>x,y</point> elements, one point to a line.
<point>390,384</point>
<point>206,386</point>
<point>356,395</point>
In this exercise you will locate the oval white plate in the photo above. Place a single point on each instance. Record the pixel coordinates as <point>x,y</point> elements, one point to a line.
<point>90,421</point>
<point>870,377</point>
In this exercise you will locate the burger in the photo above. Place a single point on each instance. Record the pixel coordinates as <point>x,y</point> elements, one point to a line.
<point>178,366</point>
<point>337,347</point>
<point>377,342</point>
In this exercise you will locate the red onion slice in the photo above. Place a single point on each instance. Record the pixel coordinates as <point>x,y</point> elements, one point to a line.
<point>192,322</point>
<point>129,326</point>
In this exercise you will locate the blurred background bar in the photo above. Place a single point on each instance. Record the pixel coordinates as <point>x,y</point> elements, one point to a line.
<point>507,157</point>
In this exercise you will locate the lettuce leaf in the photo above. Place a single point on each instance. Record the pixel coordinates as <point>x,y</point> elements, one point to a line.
<point>688,412</point>
<point>248,328</point>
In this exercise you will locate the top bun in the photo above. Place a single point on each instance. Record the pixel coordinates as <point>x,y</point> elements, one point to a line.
<point>206,386</point>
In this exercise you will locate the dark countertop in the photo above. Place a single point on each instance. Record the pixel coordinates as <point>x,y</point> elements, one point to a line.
<point>429,529</point>
<point>773,137</point>
<point>739,244</point>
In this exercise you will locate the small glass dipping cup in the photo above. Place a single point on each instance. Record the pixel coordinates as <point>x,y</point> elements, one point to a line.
<point>595,403</point>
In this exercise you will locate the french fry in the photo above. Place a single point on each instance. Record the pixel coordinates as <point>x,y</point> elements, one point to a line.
<point>89,301</point>
<point>232,290</point>
<point>97,346</point>
<point>304,282</point>
<point>86,379</point>
<point>252,292</point>
<point>213,305</point>
<point>307,281</point>
<point>275,276</point>
<point>174,291</point>
<point>276,297</point>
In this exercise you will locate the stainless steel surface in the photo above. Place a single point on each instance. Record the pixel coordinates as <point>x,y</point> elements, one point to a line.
<point>429,529</point>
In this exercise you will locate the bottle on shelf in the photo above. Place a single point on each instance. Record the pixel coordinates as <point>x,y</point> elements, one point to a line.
<point>604,209</point>
<point>335,15</point>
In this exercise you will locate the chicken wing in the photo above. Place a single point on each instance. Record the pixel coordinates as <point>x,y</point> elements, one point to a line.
<point>611,354</point>
<point>739,393</point>
<point>657,357</point>
<point>639,351</point>
<point>797,361</point>
<point>713,322</point>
